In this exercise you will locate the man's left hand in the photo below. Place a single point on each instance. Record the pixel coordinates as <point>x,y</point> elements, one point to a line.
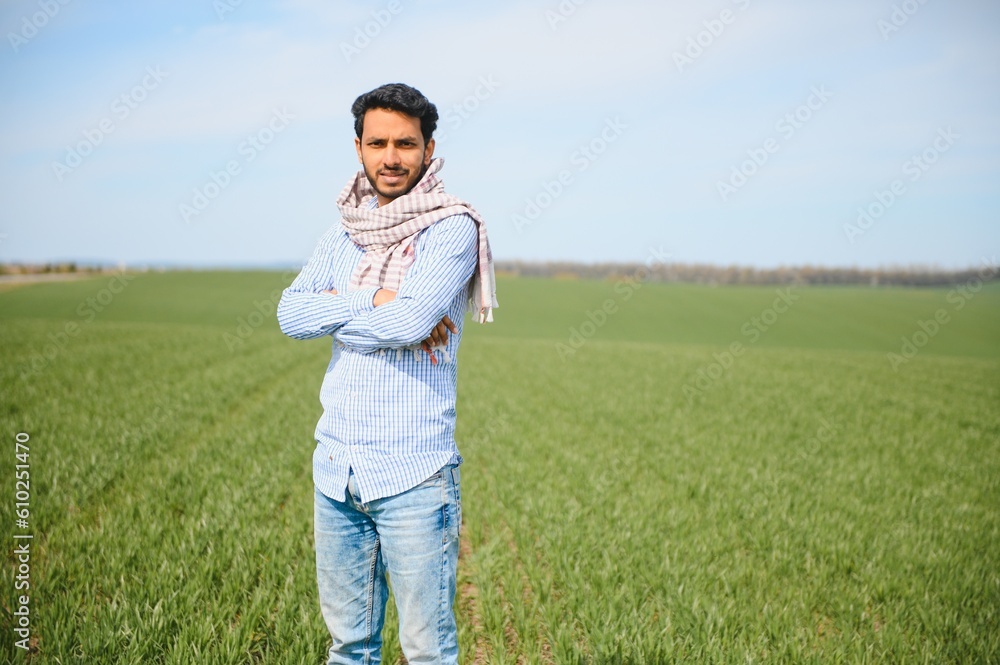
<point>439,336</point>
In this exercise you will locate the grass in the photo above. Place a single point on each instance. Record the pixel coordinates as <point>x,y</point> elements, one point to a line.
<point>810,503</point>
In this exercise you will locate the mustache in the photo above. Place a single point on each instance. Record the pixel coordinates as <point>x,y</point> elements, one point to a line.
<point>392,171</point>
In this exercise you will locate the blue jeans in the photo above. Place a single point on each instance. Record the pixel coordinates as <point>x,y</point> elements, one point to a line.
<point>413,537</point>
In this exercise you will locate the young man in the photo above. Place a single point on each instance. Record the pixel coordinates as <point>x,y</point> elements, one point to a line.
<point>390,284</point>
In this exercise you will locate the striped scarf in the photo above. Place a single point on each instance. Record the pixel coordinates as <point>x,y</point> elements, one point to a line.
<point>387,235</point>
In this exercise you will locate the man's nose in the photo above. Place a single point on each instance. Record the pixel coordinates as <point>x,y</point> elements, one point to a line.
<point>391,156</point>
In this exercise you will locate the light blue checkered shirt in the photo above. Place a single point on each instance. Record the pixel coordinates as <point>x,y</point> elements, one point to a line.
<point>387,416</point>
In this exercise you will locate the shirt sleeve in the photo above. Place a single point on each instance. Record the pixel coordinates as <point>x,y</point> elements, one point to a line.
<point>305,312</point>
<point>446,257</point>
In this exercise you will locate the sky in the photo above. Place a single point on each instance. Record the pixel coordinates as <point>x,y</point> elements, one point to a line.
<point>860,133</point>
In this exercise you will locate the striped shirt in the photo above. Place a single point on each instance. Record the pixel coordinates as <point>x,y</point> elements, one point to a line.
<point>388,413</point>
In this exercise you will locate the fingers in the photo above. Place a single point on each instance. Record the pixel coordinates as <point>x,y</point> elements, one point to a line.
<point>439,335</point>
<point>332,292</point>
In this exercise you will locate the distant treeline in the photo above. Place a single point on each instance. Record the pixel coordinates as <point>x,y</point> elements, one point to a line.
<point>690,273</point>
<point>45,268</point>
<point>711,275</point>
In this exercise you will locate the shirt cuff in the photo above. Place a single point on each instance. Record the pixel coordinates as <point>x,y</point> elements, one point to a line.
<point>362,301</point>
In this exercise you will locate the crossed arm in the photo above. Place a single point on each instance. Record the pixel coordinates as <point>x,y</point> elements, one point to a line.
<point>439,333</point>
<point>370,319</point>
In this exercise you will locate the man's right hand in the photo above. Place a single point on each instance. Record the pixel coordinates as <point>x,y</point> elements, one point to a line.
<point>382,296</point>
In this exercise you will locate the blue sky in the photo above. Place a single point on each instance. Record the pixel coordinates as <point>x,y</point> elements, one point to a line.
<point>746,132</point>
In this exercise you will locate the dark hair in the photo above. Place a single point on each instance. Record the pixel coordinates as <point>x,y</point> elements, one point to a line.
<point>397,97</point>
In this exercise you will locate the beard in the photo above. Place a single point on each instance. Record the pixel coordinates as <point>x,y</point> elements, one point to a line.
<point>397,191</point>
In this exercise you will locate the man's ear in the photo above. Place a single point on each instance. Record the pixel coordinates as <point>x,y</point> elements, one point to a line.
<point>357,146</point>
<point>428,152</point>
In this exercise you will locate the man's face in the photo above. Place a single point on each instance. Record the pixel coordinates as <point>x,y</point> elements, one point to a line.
<point>392,151</point>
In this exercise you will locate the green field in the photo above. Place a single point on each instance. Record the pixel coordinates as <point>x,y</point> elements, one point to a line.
<point>654,474</point>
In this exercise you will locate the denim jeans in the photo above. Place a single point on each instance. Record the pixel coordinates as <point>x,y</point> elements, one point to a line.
<point>413,537</point>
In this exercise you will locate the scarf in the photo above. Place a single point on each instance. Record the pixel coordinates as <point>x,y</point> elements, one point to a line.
<point>387,235</point>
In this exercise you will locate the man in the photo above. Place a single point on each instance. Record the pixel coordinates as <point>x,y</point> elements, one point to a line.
<point>390,283</point>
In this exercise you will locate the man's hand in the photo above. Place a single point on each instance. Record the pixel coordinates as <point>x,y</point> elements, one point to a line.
<point>382,296</point>
<point>439,336</point>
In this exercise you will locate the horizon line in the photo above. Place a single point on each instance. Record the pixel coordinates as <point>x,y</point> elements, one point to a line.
<point>501,264</point>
